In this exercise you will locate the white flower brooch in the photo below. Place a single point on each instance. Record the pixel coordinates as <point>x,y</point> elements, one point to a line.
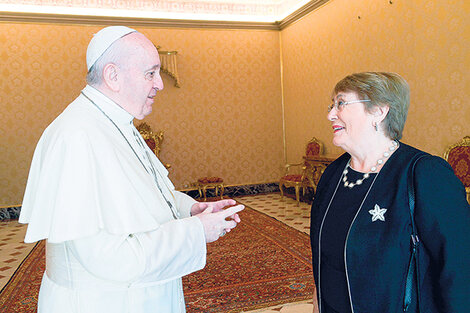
<point>378,213</point>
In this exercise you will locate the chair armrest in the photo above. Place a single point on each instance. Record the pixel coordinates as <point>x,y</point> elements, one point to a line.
<point>289,165</point>
<point>293,164</point>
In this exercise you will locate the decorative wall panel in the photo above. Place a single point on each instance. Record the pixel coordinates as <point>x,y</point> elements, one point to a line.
<point>225,120</point>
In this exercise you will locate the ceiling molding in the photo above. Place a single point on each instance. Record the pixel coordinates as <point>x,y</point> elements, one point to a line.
<point>298,14</point>
<point>17,17</point>
<point>48,18</point>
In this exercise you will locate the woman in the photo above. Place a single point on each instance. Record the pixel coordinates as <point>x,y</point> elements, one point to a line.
<point>361,223</point>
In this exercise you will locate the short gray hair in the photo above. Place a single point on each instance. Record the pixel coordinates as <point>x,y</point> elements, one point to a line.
<point>113,55</point>
<point>383,89</point>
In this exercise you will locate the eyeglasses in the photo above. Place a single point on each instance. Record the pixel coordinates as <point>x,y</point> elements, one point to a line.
<point>341,104</point>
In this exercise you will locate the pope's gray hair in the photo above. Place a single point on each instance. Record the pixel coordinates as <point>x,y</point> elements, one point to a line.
<point>114,54</point>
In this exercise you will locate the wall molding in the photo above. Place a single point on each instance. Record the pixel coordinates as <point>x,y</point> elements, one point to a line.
<point>298,14</point>
<point>68,19</point>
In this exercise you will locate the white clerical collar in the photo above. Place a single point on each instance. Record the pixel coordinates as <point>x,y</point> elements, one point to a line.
<point>109,107</point>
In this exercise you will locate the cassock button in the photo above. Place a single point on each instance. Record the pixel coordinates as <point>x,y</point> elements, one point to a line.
<point>131,236</point>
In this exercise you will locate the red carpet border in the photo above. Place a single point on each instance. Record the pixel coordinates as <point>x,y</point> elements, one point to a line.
<point>261,263</point>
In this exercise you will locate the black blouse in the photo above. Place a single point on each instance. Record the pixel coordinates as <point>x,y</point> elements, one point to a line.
<point>345,204</point>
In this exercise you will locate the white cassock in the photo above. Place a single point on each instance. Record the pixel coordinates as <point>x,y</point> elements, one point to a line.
<point>119,237</point>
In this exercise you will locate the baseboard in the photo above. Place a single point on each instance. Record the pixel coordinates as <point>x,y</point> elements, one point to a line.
<point>13,212</point>
<point>10,213</point>
<point>236,191</point>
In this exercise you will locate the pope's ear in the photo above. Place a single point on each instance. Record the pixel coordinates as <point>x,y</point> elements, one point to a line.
<point>110,76</point>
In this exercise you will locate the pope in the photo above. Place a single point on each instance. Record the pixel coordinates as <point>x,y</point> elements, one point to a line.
<point>119,237</point>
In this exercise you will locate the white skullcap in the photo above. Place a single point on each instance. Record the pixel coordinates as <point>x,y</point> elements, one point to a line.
<point>102,40</point>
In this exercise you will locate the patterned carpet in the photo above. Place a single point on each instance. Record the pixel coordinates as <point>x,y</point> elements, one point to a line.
<point>20,294</point>
<point>261,263</point>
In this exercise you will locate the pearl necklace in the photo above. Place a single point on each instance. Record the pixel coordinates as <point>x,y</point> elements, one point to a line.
<point>372,169</point>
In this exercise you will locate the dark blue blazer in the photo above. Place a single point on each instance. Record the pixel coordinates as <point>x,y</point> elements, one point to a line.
<point>377,254</point>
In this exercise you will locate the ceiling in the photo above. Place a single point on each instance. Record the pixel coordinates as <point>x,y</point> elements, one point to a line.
<point>236,12</point>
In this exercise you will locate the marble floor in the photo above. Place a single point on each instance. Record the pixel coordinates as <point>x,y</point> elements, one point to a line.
<point>13,250</point>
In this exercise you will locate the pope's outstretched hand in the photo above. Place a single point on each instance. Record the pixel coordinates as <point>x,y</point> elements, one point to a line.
<point>215,219</point>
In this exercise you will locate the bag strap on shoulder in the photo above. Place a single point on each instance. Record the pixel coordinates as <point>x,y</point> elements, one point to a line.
<point>414,235</point>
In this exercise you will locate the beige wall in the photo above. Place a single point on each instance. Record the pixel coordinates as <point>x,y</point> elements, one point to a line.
<point>424,41</point>
<point>225,120</point>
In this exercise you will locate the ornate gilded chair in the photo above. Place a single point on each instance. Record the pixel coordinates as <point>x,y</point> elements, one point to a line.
<point>306,175</point>
<point>458,156</point>
<point>153,139</point>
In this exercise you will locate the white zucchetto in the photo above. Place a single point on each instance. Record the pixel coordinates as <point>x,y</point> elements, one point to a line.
<point>102,40</point>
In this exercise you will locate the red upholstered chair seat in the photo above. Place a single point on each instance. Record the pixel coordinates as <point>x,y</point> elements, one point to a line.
<point>204,183</point>
<point>210,180</point>
<point>293,177</point>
